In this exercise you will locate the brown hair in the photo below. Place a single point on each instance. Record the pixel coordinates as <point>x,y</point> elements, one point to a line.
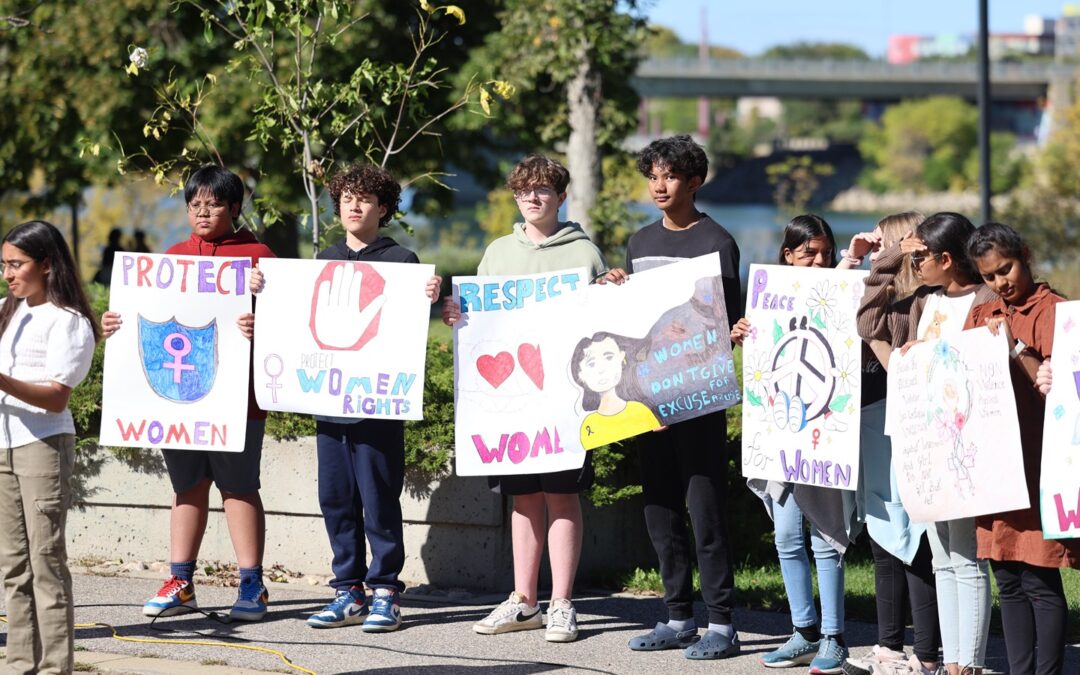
<point>370,180</point>
<point>893,227</point>
<point>537,170</point>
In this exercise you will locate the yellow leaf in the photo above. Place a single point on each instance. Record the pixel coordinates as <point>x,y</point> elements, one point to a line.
<point>424,5</point>
<point>456,12</point>
<point>212,77</point>
<point>120,167</point>
<point>95,149</point>
<point>503,88</point>
<point>485,101</point>
<point>132,69</point>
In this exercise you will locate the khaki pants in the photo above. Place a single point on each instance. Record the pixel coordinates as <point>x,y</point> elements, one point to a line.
<point>35,494</point>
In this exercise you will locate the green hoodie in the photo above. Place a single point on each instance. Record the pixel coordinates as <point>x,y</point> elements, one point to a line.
<point>517,254</point>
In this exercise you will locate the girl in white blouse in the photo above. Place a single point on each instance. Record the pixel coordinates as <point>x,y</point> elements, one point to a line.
<point>47,339</point>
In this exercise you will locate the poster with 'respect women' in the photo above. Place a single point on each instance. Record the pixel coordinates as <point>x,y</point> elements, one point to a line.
<point>176,371</point>
<point>1059,481</point>
<point>954,429</point>
<point>802,367</point>
<point>342,338</point>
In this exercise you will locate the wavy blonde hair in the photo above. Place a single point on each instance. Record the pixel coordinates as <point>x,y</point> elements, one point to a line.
<point>893,227</point>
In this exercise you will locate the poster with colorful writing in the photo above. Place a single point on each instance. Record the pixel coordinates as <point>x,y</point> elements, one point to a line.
<point>176,372</point>
<point>597,366</point>
<point>955,436</point>
<point>511,414</point>
<point>802,368</point>
<point>342,338</point>
<point>1059,480</point>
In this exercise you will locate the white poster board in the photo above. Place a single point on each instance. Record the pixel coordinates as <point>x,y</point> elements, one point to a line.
<point>1059,489</point>
<point>955,436</point>
<point>342,338</point>
<point>176,372</point>
<point>802,368</point>
<point>587,368</point>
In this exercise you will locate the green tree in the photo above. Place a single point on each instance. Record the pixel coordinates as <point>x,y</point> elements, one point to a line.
<point>818,51</point>
<point>795,179</point>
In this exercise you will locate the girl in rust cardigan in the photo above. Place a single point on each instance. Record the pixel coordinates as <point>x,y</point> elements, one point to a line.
<point>1026,566</point>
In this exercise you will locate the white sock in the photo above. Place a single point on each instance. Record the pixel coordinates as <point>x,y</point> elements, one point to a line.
<point>725,629</point>
<point>680,626</point>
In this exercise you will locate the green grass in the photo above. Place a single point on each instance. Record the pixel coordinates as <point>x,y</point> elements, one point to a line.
<point>763,588</point>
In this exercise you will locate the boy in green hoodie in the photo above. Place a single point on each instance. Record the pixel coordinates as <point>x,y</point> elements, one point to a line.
<point>548,504</point>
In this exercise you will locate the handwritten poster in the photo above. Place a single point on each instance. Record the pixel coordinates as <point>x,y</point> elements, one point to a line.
<point>802,364</point>
<point>955,435</point>
<point>342,338</point>
<point>176,372</point>
<point>586,368</point>
<point>1059,489</point>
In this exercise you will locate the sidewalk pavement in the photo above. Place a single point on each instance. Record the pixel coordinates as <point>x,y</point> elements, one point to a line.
<point>435,638</point>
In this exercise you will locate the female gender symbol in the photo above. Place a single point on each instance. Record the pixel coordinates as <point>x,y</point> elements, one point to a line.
<point>273,385</point>
<point>816,437</point>
<point>178,353</point>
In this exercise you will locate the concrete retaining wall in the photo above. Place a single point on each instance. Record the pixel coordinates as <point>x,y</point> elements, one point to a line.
<point>457,532</point>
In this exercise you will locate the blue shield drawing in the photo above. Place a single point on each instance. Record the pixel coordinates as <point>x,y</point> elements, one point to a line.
<point>180,362</point>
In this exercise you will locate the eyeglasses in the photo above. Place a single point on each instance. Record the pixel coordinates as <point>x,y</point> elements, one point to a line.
<point>541,192</point>
<point>13,265</point>
<point>213,208</point>
<point>917,259</point>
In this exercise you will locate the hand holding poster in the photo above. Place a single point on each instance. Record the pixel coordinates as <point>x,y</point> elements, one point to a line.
<point>176,373</point>
<point>802,364</point>
<point>342,339</point>
<point>955,434</point>
<point>539,381</point>
<point>1059,489</point>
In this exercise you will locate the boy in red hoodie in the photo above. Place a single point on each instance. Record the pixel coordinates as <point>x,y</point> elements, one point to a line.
<point>214,196</point>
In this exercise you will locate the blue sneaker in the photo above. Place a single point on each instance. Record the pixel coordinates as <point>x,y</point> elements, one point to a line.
<point>830,657</point>
<point>250,602</point>
<point>175,596</point>
<point>349,607</point>
<point>797,651</point>
<point>385,612</point>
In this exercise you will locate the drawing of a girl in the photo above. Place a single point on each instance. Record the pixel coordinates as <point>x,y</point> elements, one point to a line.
<point>610,392</point>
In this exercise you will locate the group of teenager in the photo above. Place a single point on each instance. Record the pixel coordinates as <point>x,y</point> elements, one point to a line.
<point>930,277</point>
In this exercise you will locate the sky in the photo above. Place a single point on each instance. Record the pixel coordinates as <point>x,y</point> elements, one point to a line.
<point>751,26</point>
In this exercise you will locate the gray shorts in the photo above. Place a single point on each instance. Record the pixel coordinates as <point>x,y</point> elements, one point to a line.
<point>569,482</point>
<point>236,472</point>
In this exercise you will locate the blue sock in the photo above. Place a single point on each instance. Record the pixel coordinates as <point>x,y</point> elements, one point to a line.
<point>251,575</point>
<point>183,570</point>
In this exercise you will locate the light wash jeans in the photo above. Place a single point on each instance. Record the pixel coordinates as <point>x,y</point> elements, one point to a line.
<point>795,568</point>
<point>963,592</point>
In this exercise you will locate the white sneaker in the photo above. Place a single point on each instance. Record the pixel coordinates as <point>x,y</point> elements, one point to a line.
<point>864,665</point>
<point>561,621</point>
<point>513,614</point>
<point>911,666</point>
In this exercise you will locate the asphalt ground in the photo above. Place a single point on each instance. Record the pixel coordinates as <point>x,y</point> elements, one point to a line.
<point>436,636</point>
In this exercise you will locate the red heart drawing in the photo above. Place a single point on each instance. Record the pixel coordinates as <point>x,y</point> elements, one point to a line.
<point>495,369</point>
<point>531,363</point>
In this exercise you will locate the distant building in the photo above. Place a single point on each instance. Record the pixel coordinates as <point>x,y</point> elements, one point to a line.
<point>1067,33</point>
<point>1037,39</point>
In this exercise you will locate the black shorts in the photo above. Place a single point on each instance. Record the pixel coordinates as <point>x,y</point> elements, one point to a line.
<point>569,482</point>
<point>236,472</point>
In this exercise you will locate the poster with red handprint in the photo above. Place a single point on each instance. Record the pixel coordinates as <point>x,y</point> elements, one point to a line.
<point>342,338</point>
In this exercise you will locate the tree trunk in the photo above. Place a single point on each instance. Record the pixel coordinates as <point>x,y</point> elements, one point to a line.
<point>74,206</point>
<point>582,151</point>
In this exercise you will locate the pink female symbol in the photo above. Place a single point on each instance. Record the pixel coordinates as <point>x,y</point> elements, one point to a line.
<point>178,354</point>
<point>273,385</point>
<point>816,437</point>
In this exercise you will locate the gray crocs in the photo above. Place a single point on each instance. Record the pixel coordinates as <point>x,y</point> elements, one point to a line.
<point>713,645</point>
<point>663,637</point>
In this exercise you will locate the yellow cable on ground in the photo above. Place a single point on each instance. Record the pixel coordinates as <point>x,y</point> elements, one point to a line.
<point>202,643</point>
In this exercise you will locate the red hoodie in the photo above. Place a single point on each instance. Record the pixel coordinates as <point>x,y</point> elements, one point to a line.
<point>240,244</point>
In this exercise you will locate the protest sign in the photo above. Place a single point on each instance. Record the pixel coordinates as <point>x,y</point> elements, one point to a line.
<point>1059,489</point>
<point>176,372</point>
<point>342,338</point>
<point>954,430</point>
<point>802,364</point>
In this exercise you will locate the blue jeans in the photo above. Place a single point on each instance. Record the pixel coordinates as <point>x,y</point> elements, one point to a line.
<point>963,592</point>
<point>795,568</point>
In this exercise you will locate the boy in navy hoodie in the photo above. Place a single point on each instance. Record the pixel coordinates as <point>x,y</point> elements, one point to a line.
<point>362,462</point>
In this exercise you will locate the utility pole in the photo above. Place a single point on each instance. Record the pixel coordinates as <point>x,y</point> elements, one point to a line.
<point>984,112</point>
<point>703,58</point>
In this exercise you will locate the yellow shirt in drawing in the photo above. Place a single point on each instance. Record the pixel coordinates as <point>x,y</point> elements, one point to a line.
<point>598,429</point>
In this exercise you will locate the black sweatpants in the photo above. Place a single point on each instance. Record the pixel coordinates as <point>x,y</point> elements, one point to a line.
<point>898,586</point>
<point>1033,617</point>
<point>684,468</point>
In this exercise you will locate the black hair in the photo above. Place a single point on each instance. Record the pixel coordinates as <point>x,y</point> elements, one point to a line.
<point>43,242</point>
<point>948,232</point>
<point>218,181</point>
<point>680,154</point>
<point>802,229</point>
<point>628,388</point>
<point>1000,237</point>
